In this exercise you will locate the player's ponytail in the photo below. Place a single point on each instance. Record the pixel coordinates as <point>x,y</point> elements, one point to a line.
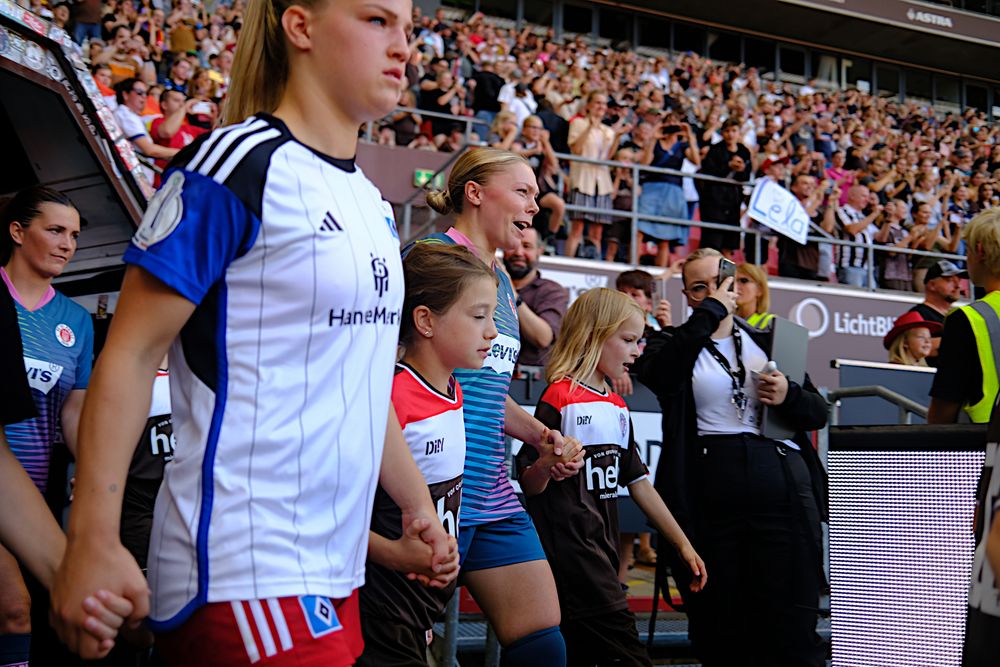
<point>476,165</point>
<point>260,63</point>
<point>440,201</point>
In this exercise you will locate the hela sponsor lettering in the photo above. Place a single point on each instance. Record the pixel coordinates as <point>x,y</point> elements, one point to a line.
<point>862,325</point>
<point>377,315</point>
<point>602,478</point>
<point>448,519</point>
<point>162,441</point>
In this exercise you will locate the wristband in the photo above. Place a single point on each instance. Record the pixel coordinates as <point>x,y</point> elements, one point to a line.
<point>518,302</point>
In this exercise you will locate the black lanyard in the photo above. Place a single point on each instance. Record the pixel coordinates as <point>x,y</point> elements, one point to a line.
<point>737,377</point>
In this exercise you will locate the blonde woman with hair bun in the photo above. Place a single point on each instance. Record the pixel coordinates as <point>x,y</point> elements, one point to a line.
<point>491,194</point>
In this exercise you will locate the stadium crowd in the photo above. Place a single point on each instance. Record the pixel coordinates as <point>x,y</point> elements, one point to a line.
<point>219,275</point>
<point>528,92</point>
<point>866,168</point>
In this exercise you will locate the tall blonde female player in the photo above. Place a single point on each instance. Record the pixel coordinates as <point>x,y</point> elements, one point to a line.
<point>269,265</point>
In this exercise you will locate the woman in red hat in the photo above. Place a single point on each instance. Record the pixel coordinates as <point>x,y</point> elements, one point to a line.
<point>909,340</point>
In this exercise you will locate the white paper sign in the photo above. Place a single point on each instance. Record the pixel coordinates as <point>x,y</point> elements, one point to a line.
<point>777,208</point>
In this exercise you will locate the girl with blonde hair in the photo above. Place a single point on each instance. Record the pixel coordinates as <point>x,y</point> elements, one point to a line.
<point>910,349</point>
<point>909,340</point>
<point>577,518</point>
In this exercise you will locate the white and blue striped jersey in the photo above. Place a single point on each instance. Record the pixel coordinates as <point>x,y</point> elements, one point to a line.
<point>281,379</point>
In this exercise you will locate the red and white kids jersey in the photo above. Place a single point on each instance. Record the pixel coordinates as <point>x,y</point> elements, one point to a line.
<point>434,427</point>
<point>577,518</point>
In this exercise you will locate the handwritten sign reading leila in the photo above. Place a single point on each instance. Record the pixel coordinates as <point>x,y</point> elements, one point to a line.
<point>777,208</point>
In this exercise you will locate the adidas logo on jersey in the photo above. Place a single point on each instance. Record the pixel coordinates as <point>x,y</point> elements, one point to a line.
<point>329,224</point>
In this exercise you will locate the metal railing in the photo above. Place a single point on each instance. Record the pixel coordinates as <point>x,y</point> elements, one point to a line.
<point>907,406</point>
<point>760,236</point>
<point>467,121</point>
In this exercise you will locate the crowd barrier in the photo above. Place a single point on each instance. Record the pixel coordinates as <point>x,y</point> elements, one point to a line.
<point>754,235</point>
<point>907,382</point>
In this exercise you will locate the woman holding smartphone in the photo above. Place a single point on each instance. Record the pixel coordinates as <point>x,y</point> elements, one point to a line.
<point>663,194</point>
<point>751,504</point>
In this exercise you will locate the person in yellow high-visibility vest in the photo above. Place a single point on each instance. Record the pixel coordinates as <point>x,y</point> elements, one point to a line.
<point>752,296</point>
<point>966,379</point>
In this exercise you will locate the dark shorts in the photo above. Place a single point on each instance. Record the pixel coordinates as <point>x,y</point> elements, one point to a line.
<point>137,517</point>
<point>608,639</point>
<point>391,644</point>
<point>505,542</point>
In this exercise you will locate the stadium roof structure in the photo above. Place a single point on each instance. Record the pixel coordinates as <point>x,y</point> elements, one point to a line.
<point>909,32</point>
<point>57,131</point>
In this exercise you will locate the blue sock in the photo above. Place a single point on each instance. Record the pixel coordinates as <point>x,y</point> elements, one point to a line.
<point>545,647</point>
<point>14,650</point>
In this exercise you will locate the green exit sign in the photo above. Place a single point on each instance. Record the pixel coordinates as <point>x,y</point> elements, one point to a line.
<point>422,177</point>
